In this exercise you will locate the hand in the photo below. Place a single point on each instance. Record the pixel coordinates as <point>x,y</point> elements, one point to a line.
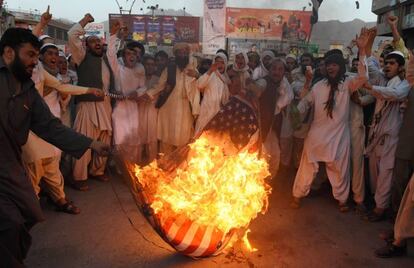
<point>46,17</point>
<point>88,17</point>
<point>213,68</point>
<point>115,27</point>
<point>192,73</point>
<point>355,98</point>
<point>144,98</point>
<point>392,20</point>
<point>133,96</point>
<point>367,86</point>
<point>100,148</point>
<point>97,92</point>
<point>309,74</point>
<point>362,39</point>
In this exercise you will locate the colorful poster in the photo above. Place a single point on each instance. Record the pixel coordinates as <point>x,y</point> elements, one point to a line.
<point>168,30</point>
<point>214,26</point>
<point>187,29</point>
<point>139,28</point>
<point>268,24</point>
<point>153,31</point>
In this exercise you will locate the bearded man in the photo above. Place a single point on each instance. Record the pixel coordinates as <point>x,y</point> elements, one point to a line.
<point>179,100</point>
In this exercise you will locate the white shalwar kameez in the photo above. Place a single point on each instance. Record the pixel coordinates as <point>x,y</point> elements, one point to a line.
<point>176,117</point>
<point>383,136</point>
<point>125,117</point>
<point>328,141</point>
<point>216,94</point>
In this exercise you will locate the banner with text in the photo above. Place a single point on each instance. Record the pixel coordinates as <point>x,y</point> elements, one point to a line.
<point>271,24</point>
<point>214,26</point>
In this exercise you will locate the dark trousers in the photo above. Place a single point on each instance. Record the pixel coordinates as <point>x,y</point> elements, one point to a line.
<point>15,242</point>
<point>403,169</point>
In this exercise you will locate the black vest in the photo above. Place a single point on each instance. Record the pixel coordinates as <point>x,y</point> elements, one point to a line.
<point>90,75</point>
<point>267,106</point>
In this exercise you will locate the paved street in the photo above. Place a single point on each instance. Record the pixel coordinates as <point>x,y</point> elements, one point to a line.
<point>316,235</point>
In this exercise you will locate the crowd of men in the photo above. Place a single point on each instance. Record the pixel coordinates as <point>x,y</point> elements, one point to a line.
<point>353,116</point>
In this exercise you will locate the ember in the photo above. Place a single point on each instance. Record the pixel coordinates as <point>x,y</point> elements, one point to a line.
<point>215,187</point>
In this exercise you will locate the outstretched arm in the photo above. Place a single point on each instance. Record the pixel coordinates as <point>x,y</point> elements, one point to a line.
<point>74,40</point>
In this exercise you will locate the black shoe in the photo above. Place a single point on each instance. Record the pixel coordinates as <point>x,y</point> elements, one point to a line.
<point>390,251</point>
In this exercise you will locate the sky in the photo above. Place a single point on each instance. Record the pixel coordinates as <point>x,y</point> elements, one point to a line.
<point>343,10</point>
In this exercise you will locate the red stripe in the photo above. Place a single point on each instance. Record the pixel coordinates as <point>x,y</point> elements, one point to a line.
<point>216,237</point>
<point>182,231</point>
<point>196,243</point>
<point>167,224</point>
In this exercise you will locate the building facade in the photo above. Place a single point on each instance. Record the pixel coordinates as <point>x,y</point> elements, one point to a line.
<point>404,9</point>
<point>57,28</point>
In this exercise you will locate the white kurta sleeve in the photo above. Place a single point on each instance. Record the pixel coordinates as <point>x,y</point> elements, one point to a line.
<point>305,104</point>
<point>75,43</point>
<point>53,82</point>
<point>202,82</point>
<point>160,86</point>
<point>397,92</point>
<point>286,96</point>
<point>111,53</point>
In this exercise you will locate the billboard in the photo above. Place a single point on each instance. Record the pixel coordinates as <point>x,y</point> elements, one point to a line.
<point>271,24</point>
<point>214,26</point>
<point>160,30</point>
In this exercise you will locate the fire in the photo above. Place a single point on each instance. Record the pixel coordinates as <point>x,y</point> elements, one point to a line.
<point>247,242</point>
<point>214,186</point>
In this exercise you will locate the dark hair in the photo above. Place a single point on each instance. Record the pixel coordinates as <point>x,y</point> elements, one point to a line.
<point>307,55</point>
<point>334,82</point>
<point>134,44</point>
<point>161,54</point>
<point>398,58</point>
<point>355,59</point>
<point>16,37</point>
<point>147,57</point>
<point>224,52</point>
<point>334,51</point>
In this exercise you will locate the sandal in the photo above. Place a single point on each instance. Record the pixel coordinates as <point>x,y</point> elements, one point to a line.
<point>69,208</point>
<point>295,204</point>
<point>390,251</point>
<point>343,207</point>
<point>80,186</point>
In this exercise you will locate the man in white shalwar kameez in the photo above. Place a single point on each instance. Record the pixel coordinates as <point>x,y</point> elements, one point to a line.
<point>41,158</point>
<point>263,69</point>
<point>213,85</point>
<point>390,91</point>
<point>328,139</point>
<point>241,66</point>
<point>177,115</point>
<point>359,99</point>
<point>148,114</point>
<point>129,79</point>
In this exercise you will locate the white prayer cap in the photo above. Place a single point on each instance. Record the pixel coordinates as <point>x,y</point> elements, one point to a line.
<point>62,54</point>
<point>398,55</point>
<point>43,37</point>
<point>46,46</point>
<point>396,52</point>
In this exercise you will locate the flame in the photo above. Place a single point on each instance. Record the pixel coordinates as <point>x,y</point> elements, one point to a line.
<point>247,242</point>
<point>215,186</point>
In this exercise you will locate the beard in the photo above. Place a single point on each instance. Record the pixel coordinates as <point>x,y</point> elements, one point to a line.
<point>182,62</point>
<point>18,69</point>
